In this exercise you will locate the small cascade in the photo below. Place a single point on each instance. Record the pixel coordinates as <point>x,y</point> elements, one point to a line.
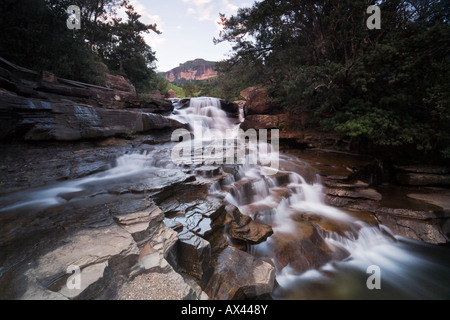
<point>203,113</point>
<point>293,206</point>
<point>315,247</point>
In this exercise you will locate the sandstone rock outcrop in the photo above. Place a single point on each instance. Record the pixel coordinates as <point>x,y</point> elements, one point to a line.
<point>37,119</point>
<point>198,69</point>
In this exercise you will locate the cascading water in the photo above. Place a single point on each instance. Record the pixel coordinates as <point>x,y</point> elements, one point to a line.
<point>293,204</point>
<point>406,273</point>
<point>204,112</point>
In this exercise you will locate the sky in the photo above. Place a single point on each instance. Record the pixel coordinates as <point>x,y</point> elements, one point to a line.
<point>188,28</point>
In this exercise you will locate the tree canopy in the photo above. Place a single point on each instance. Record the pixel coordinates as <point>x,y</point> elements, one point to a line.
<point>35,35</point>
<point>387,88</point>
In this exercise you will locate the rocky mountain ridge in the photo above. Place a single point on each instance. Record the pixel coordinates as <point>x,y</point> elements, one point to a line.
<point>198,69</point>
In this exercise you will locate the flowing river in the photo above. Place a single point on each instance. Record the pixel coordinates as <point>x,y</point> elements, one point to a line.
<point>344,254</point>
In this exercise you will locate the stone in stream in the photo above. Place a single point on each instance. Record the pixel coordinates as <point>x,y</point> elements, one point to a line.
<point>239,275</point>
<point>194,254</point>
<point>422,179</point>
<point>367,194</point>
<point>303,250</point>
<point>244,228</point>
<point>427,226</point>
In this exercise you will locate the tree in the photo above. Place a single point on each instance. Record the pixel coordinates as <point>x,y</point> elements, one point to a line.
<point>191,89</point>
<point>35,36</point>
<point>388,88</point>
<point>127,53</point>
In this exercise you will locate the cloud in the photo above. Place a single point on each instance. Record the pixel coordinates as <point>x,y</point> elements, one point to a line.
<point>229,7</point>
<point>203,9</point>
<point>147,17</point>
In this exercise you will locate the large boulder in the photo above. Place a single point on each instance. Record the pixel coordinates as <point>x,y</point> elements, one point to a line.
<point>119,83</point>
<point>257,102</point>
<point>230,107</point>
<point>244,228</point>
<point>259,121</point>
<point>303,249</point>
<point>194,254</point>
<point>239,275</point>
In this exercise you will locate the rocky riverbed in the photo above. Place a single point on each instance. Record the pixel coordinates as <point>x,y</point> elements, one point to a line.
<point>109,215</point>
<point>129,231</point>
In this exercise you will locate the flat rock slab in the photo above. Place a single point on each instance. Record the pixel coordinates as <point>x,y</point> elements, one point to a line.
<point>368,194</point>
<point>441,199</point>
<point>422,179</point>
<point>89,250</point>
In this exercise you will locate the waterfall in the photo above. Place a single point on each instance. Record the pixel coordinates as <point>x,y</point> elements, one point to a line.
<point>203,112</point>
<point>292,202</point>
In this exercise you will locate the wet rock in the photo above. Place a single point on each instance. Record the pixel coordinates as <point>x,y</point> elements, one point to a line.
<point>244,228</point>
<point>229,107</point>
<point>338,185</point>
<point>119,83</point>
<point>418,225</point>
<point>239,275</point>
<point>208,171</point>
<point>422,179</point>
<point>36,119</point>
<point>194,254</point>
<point>436,196</point>
<point>199,216</point>
<point>368,194</point>
<point>303,250</point>
<point>160,184</point>
<point>427,226</point>
<point>260,121</point>
<point>90,250</point>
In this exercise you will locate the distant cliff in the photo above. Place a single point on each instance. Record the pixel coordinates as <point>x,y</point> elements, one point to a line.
<point>197,69</point>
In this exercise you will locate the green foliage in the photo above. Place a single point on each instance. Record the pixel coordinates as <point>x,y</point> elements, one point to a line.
<point>34,35</point>
<point>388,87</point>
<point>191,89</point>
<point>179,91</point>
<point>130,134</point>
<point>127,53</point>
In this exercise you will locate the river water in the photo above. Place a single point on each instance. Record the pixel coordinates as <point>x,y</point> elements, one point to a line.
<point>406,269</point>
<point>319,251</point>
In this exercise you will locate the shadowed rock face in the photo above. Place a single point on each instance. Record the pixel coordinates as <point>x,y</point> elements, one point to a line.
<point>37,120</point>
